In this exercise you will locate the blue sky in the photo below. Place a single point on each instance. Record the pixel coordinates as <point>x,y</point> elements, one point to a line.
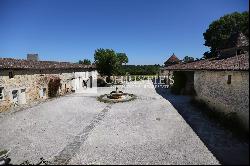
<point>148,31</point>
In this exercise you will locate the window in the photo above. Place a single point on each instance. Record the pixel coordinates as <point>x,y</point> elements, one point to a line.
<point>1,93</point>
<point>229,79</point>
<point>44,92</point>
<point>41,73</point>
<point>11,75</point>
<point>239,51</point>
<point>23,90</point>
<point>66,89</point>
<point>22,96</point>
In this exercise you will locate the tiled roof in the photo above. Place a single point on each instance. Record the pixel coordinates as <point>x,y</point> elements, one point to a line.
<point>240,62</point>
<point>10,63</point>
<point>172,59</point>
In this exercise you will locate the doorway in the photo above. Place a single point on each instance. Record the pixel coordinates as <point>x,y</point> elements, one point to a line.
<point>22,98</point>
<point>91,81</point>
<point>15,97</point>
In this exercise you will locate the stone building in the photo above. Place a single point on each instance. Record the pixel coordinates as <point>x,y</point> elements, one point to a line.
<point>221,82</point>
<point>26,81</point>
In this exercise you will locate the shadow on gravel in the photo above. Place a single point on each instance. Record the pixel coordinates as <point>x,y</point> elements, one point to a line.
<point>225,147</point>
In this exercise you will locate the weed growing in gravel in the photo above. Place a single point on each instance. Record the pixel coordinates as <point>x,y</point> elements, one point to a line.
<point>3,152</point>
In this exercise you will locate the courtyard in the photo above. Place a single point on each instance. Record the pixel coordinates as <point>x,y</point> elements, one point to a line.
<point>124,82</point>
<point>78,129</point>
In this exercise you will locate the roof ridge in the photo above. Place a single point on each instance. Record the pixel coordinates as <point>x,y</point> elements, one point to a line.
<point>215,64</point>
<point>29,64</point>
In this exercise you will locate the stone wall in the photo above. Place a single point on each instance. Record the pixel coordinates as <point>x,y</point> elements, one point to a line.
<point>226,53</point>
<point>215,89</point>
<point>163,72</point>
<point>32,85</point>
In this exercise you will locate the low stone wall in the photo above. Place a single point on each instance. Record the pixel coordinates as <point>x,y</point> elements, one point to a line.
<point>220,93</point>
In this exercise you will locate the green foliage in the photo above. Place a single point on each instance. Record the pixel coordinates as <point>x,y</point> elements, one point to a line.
<point>106,61</point>
<point>122,57</point>
<point>221,30</point>
<point>103,98</point>
<point>109,63</point>
<point>180,80</point>
<point>139,69</point>
<point>187,59</point>
<point>85,62</point>
<point>3,152</point>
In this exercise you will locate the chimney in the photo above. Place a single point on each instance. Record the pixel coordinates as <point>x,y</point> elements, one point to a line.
<point>32,57</point>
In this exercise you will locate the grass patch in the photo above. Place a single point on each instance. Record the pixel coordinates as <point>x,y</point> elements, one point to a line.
<point>102,99</point>
<point>230,121</point>
<point>3,152</point>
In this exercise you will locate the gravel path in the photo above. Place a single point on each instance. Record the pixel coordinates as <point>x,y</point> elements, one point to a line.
<point>77,129</point>
<point>227,148</point>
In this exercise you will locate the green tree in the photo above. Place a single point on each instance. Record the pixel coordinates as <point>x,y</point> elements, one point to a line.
<point>188,59</point>
<point>220,31</point>
<point>85,62</point>
<point>122,57</point>
<point>106,61</point>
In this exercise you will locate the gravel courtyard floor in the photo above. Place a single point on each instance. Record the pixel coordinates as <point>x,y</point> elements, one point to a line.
<point>78,129</point>
<point>228,148</point>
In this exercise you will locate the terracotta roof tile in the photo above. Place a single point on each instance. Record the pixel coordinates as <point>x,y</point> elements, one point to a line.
<point>10,63</point>
<point>240,62</point>
<point>173,59</point>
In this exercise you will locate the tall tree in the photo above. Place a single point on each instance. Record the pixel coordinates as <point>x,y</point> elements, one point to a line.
<point>122,57</point>
<point>106,61</point>
<point>221,30</point>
